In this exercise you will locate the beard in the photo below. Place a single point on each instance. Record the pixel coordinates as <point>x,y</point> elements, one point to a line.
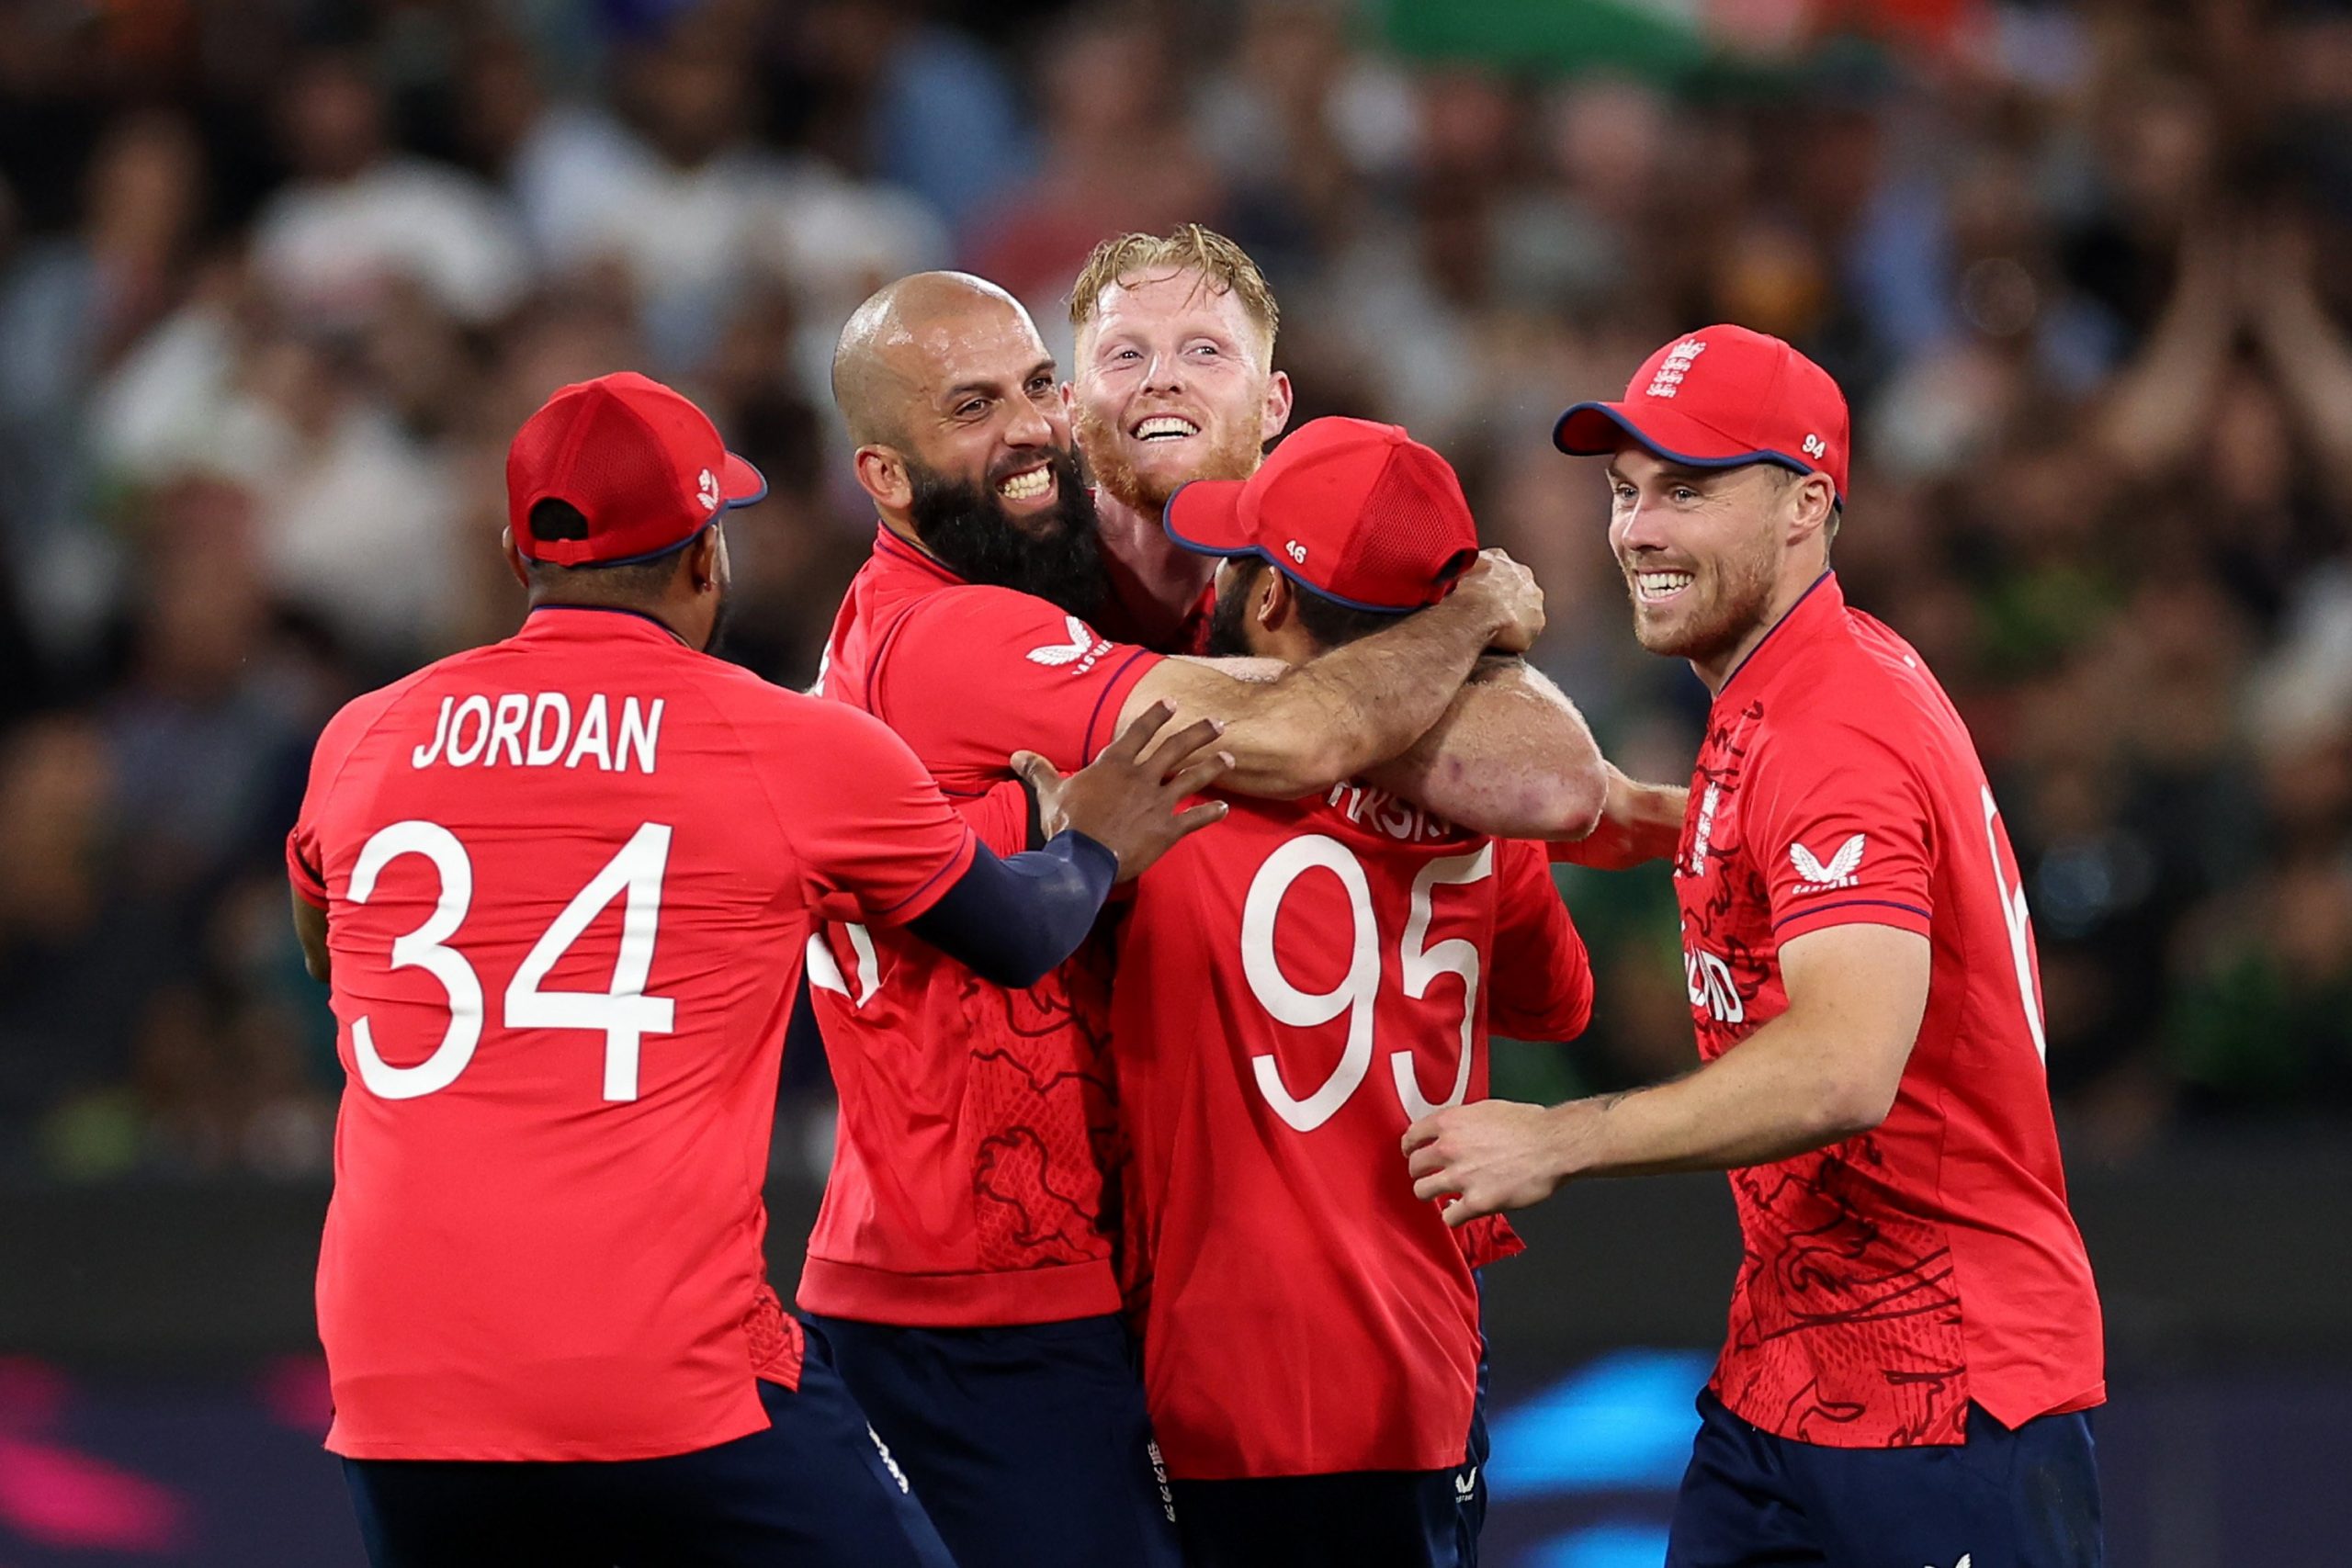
<point>1740,596</point>
<point>1053,553</point>
<point>716,643</point>
<point>1233,455</point>
<point>1229,621</point>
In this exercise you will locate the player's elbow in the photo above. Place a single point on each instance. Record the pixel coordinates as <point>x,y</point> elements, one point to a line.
<point>1577,798</point>
<point>1851,1103</point>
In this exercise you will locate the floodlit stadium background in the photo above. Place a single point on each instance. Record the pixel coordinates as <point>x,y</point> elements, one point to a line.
<point>279,277</point>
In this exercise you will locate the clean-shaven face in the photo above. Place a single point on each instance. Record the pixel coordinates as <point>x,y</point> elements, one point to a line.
<point>1700,548</point>
<point>1172,384</point>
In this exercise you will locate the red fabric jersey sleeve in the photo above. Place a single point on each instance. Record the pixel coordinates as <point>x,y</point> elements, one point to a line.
<point>1839,822</point>
<point>306,866</point>
<point>972,675</point>
<point>1001,817</point>
<point>875,839</point>
<point>1543,985</point>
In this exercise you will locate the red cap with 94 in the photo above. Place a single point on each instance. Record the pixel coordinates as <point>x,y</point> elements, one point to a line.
<point>1717,398</point>
<point>644,466</point>
<point>1360,513</point>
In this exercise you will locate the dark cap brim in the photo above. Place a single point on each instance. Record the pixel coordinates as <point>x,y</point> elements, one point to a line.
<point>1595,429</point>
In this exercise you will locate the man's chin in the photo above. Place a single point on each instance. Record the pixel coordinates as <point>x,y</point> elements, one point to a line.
<point>1671,638</point>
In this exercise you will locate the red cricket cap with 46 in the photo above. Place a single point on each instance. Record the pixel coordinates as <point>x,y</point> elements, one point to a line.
<point>1360,513</point>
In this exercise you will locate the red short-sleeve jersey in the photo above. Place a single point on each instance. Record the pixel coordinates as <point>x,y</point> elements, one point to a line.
<point>569,880</point>
<point>1294,989</point>
<point>966,1186</point>
<point>1892,1278</point>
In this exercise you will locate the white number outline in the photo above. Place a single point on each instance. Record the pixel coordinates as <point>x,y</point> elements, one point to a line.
<point>1358,994</point>
<point>1455,955</point>
<point>1354,996</point>
<point>625,1012</point>
<point>422,948</point>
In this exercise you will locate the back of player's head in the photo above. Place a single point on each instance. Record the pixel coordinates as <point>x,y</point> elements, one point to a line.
<point>631,582</point>
<point>1221,265</point>
<point>1330,623</point>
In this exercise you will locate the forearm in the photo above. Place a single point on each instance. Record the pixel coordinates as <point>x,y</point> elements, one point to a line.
<point>1784,1091</point>
<point>1639,822</point>
<point>1014,921</point>
<point>1336,715</point>
<point>1510,756</point>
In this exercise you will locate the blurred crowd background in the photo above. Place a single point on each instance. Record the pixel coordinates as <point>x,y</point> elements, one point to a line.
<point>278,279</point>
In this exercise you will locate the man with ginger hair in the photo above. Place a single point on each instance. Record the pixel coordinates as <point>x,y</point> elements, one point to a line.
<point>1174,380</point>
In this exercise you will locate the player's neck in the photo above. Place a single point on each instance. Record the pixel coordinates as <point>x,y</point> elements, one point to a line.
<point>1794,583</point>
<point>660,614</point>
<point>1154,581</point>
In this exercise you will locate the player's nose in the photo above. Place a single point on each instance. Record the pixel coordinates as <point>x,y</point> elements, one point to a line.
<point>1164,374</point>
<point>1641,526</point>
<point>1032,423</point>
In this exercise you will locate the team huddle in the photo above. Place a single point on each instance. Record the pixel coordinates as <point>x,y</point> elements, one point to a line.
<point>1170,823</point>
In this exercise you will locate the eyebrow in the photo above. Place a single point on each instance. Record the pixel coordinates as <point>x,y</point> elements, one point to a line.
<point>1681,472</point>
<point>964,388</point>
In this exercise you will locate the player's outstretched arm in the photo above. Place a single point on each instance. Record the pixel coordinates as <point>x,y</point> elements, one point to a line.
<point>1639,822</point>
<point>1328,719</point>
<point>1822,1072</point>
<point>1013,921</point>
<point>1510,756</point>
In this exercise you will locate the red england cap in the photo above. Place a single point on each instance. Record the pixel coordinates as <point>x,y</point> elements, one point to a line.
<point>1360,513</point>
<point>644,466</point>
<point>1717,398</point>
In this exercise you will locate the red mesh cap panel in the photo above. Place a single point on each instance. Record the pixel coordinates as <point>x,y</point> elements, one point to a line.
<point>1412,537</point>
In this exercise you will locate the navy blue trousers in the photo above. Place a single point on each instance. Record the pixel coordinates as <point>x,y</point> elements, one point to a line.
<point>815,1490</point>
<point>2027,1498</point>
<point>1365,1518</point>
<point>1028,1446</point>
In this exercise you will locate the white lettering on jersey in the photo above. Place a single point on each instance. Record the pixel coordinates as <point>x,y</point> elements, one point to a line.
<point>1389,814</point>
<point>1708,978</point>
<point>532,732</point>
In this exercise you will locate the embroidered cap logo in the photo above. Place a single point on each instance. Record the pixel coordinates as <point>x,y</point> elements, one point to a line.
<point>1676,366</point>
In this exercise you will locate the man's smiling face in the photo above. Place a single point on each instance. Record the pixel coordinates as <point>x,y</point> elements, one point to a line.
<point>1173,383</point>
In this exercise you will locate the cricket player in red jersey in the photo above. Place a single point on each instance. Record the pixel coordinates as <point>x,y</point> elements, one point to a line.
<point>562,886</point>
<point>1289,997</point>
<point>1915,1341</point>
<point>962,1265</point>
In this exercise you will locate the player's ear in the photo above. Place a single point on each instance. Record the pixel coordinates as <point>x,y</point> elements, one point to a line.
<point>882,474</point>
<point>1277,600</point>
<point>515,562</point>
<point>1813,501</point>
<point>1277,412</point>
<point>706,561</point>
